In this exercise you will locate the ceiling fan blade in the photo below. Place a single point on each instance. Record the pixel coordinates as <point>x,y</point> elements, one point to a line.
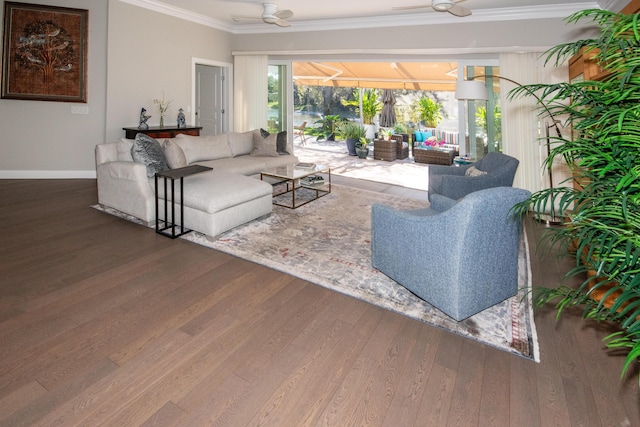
<point>459,11</point>
<point>283,14</point>
<point>282,23</point>
<point>411,7</point>
<point>238,18</point>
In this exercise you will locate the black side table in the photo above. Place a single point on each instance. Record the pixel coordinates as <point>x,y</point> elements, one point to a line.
<point>169,228</point>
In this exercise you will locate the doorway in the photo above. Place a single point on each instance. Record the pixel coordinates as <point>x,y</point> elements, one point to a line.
<point>211,82</point>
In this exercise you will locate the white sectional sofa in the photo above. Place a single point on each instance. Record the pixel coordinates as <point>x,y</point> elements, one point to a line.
<point>214,201</point>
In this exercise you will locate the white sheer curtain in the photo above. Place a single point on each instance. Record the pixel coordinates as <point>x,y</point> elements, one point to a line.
<point>520,123</point>
<point>250,92</point>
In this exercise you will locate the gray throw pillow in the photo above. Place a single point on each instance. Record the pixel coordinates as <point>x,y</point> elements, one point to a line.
<point>281,141</point>
<point>147,151</point>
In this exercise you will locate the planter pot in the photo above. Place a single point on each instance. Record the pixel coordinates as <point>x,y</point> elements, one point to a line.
<point>351,146</point>
<point>370,131</point>
<point>362,152</point>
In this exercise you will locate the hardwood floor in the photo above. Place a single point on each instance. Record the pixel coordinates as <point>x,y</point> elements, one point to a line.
<point>103,322</point>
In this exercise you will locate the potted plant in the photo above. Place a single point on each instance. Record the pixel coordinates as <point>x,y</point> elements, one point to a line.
<point>428,111</point>
<point>602,208</point>
<point>386,134</point>
<point>370,107</point>
<point>352,132</point>
<point>362,148</point>
<point>327,127</point>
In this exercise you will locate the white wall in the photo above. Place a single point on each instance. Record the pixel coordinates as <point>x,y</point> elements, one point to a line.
<point>150,53</point>
<point>134,54</point>
<point>43,139</point>
<point>531,35</point>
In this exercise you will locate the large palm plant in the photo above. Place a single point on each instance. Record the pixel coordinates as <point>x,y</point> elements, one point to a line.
<point>603,211</point>
<point>370,103</point>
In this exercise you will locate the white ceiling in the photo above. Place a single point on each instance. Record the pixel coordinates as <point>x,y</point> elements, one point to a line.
<point>341,14</point>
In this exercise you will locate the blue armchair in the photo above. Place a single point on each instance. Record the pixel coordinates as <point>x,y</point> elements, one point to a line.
<point>460,256</point>
<point>452,181</point>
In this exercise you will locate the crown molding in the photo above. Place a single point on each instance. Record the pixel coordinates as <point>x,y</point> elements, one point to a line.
<point>185,14</point>
<point>371,53</point>
<point>413,19</point>
<point>613,5</point>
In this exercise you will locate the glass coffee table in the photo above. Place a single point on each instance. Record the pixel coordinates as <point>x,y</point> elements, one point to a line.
<point>304,184</point>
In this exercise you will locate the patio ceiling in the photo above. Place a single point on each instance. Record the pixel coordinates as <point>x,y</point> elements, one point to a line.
<point>439,76</point>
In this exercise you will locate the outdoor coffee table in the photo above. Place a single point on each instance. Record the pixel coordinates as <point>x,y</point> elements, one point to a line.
<point>291,180</point>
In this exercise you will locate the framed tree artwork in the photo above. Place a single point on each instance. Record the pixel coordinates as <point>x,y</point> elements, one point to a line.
<point>44,55</point>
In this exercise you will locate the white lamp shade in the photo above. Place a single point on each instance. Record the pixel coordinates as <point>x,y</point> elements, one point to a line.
<point>471,89</point>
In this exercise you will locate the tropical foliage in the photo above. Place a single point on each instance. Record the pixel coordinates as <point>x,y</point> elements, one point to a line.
<point>429,111</point>
<point>351,130</point>
<point>326,126</point>
<point>371,105</point>
<point>603,209</point>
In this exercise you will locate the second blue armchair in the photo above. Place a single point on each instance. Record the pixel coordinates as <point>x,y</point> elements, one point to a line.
<point>452,181</point>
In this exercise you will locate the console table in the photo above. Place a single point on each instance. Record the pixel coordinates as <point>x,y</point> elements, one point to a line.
<point>161,132</point>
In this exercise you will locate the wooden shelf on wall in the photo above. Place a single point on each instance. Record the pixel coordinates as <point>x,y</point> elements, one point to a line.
<point>584,65</point>
<point>632,7</point>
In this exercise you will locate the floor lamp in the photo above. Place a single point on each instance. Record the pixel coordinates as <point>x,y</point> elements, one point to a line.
<point>476,90</point>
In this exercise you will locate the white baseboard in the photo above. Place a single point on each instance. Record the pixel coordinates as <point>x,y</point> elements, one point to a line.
<point>33,174</point>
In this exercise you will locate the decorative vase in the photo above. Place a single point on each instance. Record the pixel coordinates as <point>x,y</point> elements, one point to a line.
<point>161,121</point>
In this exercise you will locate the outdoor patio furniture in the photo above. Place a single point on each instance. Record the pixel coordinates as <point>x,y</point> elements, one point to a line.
<point>298,131</point>
<point>402,147</point>
<point>433,156</point>
<point>385,150</point>
<point>461,257</point>
<point>493,170</point>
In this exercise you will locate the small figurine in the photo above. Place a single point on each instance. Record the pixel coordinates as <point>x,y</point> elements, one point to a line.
<point>182,121</point>
<point>143,119</point>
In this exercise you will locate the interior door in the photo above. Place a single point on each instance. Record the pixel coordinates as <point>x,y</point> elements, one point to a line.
<point>210,99</point>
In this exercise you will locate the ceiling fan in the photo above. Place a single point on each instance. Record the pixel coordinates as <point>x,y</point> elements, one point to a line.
<point>450,6</point>
<point>271,15</point>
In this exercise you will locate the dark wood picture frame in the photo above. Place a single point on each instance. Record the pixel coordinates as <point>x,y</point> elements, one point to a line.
<point>44,55</point>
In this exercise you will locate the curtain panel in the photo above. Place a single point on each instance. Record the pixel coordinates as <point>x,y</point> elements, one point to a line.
<point>250,92</point>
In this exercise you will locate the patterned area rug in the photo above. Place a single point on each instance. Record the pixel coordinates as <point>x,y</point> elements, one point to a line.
<point>327,242</point>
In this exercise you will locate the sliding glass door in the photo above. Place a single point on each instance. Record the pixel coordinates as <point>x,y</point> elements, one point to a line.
<point>277,98</point>
<point>482,125</point>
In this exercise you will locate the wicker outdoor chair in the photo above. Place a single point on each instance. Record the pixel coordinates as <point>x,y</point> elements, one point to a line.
<point>402,147</point>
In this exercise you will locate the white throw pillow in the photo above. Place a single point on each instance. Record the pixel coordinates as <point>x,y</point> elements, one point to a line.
<point>241,143</point>
<point>198,148</point>
<point>174,154</point>
<point>473,172</point>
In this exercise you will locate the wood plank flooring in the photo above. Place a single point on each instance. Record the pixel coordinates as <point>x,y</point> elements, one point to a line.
<point>103,322</point>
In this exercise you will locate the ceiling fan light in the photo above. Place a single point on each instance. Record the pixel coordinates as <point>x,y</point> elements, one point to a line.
<point>442,5</point>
